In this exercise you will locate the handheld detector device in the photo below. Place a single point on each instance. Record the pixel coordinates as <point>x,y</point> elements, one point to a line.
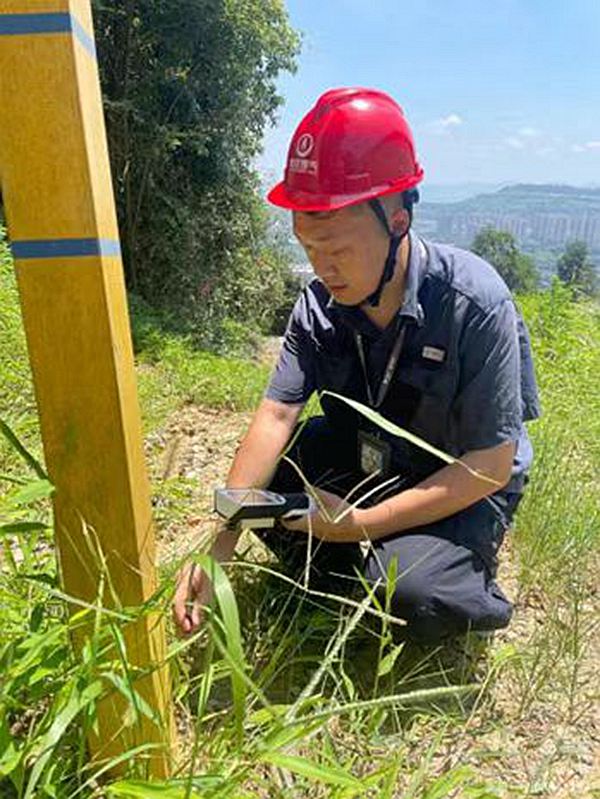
<point>255,507</point>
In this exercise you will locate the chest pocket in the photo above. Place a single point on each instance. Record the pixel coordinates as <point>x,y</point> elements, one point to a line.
<point>420,398</point>
<point>336,365</point>
<point>340,372</point>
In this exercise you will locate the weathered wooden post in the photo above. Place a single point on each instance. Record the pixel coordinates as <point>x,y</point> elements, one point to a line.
<point>57,192</point>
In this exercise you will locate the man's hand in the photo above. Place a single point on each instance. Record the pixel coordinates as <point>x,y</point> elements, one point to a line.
<point>254,464</point>
<point>322,522</point>
<point>193,593</point>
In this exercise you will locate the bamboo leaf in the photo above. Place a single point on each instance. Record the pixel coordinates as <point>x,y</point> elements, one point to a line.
<point>174,789</point>
<point>232,633</point>
<point>10,756</point>
<point>314,771</point>
<point>67,706</point>
<point>137,703</point>
<point>387,662</point>
<point>266,715</point>
<point>147,790</point>
<point>32,492</point>
<point>444,785</point>
<point>22,527</point>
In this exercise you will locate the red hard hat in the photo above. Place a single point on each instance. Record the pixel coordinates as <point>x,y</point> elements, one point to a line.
<point>354,144</point>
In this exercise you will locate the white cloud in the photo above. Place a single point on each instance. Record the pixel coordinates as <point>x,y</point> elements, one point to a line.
<point>582,148</point>
<point>451,121</point>
<point>529,133</point>
<point>515,143</point>
<point>545,150</point>
<point>445,124</point>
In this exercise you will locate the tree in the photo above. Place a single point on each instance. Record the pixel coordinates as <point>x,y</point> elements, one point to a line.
<point>499,248</point>
<point>189,86</point>
<point>575,269</point>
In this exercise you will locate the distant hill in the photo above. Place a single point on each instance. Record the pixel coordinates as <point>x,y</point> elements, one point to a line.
<point>455,192</point>
<point>543,218</point>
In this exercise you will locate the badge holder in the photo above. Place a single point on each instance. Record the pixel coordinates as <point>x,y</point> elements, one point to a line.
<point>374,454</point>
<point>257,508</point>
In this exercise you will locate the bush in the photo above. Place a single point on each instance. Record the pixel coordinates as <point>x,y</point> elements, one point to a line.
<point>189,86</point>
<point>499,248</point>
<point>575,270</point>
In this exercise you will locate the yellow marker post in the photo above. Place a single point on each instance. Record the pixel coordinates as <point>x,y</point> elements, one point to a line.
<point>56,186</point>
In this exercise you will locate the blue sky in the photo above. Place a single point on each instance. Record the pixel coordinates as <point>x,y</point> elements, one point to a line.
<point>496,91</point>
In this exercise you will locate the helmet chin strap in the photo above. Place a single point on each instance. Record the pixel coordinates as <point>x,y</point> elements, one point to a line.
<point>408,198</point>
<point>387,273</point>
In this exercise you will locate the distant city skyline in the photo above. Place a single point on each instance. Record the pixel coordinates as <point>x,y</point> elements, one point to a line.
<point>495,93</point>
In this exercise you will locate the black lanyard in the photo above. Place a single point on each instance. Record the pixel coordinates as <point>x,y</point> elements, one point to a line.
<point>389,369</point>
<point>394,356</point>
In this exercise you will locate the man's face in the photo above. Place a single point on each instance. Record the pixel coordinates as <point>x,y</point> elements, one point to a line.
<point>346,249</point>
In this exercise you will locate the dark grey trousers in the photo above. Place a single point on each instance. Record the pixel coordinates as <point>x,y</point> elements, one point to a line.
<point>445,574</point>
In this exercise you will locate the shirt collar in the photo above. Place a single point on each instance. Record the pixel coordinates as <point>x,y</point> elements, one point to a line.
<point>411,308</point>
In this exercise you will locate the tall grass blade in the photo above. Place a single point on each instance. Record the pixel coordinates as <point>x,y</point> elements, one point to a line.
<point>22,527</point>
<point>67,707</point>
<point>134,789</point>
<point>396,430</point>
<point>307,768</point>
<point>232,633</point>
<point>32,492</point>
<point>14,441</point>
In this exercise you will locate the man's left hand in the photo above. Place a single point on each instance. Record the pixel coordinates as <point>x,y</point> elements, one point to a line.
<point>322,522</point>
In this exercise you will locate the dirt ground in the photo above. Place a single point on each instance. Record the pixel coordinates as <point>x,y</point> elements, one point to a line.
<point>538,752</point>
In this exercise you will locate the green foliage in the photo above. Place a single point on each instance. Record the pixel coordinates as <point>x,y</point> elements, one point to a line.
<point>499,248</point>
<point>171,368</point>
<point>17,402</point>
<point>566,343</point>
<point>189,86</point>
<point>172,371</point>
<point>295,692</point>
<point>576,270</point>
<point>559,523</point>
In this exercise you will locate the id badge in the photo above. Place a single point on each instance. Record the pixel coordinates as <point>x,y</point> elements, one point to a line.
<point>374,454</point>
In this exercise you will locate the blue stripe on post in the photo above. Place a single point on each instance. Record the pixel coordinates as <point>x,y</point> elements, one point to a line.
<point>84,37</point>
<point>51,22</point>
<point>64,248</point>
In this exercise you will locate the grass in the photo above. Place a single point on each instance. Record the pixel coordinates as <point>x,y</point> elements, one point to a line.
<point>559,523</point>
<point>172,372</point>
<point>288,693</point>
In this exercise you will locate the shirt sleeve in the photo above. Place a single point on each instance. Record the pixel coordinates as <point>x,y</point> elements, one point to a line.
<point>292,380</point>
<point>488,407</point>
<point>529,389</point>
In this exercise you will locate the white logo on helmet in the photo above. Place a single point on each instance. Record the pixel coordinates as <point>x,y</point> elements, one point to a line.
<point>305,144</point>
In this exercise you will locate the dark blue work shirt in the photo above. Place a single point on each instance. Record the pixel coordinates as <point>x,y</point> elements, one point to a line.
<point>465,376</point>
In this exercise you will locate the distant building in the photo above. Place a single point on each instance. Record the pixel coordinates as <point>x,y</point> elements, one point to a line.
<point>542,218</point>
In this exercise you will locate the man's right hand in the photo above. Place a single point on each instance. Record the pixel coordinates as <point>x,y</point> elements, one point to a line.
<point>192,594</point>
<point>254,464</point>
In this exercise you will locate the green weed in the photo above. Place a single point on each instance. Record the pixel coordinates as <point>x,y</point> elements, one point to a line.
<point>287,692</point>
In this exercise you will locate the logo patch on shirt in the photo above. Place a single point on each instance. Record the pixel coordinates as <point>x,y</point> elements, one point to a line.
<point>434,354</point>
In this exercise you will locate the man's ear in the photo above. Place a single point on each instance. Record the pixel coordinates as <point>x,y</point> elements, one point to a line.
<point>399,221</point>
